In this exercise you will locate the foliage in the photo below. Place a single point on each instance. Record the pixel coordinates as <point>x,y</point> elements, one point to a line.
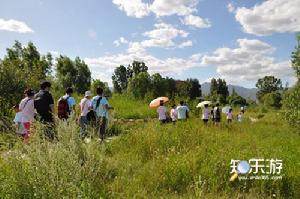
<point>139,85</point>
<point>21,68</point>
<point>120,79</point>
<point>74,74</point>
<point>273,99</point>
<point>268,84</point>
<point>236,99</point>
<point>151,160</point>
<point>218,90</point>
<point>296,58</point>
<point>291,100</point>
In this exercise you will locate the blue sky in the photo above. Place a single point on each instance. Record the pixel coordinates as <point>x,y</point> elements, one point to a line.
<point>239,40</point>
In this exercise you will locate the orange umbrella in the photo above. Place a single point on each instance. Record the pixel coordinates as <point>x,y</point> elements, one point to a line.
<point>156,102</point>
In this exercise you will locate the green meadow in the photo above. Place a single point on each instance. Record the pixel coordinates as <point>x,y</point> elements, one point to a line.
<point>143,159</point>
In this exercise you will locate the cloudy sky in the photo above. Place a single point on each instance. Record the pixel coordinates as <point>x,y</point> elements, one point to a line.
<point>239,40</point>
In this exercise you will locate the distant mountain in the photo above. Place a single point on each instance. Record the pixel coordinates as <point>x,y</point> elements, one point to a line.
<point>247,93</point>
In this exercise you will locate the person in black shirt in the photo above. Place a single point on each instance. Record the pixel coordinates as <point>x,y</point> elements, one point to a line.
<point>44,105</point>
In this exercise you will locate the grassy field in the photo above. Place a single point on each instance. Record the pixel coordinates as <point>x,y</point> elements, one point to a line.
<point>149,160</point>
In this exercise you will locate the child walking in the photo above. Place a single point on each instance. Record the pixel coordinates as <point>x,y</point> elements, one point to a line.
<point>28,112</point>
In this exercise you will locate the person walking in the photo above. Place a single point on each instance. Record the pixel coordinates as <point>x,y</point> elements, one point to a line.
<point>217,115</point>
<point>162,112</point>
<point>26,106</point>
<point>85,107</point>
<point>182,111</point>
<point>205,114</point>
<point>66,104</point>
<point>44,105</point>
<point>229,116</point>
<point>18,121</point>
<point>173,114</point>
<point>101,106</point>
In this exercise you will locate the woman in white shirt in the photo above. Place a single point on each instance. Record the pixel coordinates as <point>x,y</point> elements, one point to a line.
<point>229,116</point>
<point>205,114</point>
<point>162,113</point>
<point>85,107</point>
<point>26,106</point>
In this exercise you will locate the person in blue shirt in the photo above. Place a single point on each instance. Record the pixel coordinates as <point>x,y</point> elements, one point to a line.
<point>70,99</point>
<point>182,111</point>
<point>101,106</point>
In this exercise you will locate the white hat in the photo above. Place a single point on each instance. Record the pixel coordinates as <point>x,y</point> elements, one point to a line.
<point>88,93</point>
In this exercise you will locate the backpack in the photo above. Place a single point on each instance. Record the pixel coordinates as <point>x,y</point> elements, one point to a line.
<point>63,109</point>
<point>91,115</point>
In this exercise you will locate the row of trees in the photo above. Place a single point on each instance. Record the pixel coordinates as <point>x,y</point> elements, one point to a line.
<point>136,80</point>
<point>24,67</point>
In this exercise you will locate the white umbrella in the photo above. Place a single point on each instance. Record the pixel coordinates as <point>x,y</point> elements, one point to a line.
<point>225,109</point>
<point>156,102</point>
<point>201,104</point>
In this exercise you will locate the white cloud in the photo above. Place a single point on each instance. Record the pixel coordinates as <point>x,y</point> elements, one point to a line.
<point>250,61</point>
<point>14,26</point>
<point>120,41</point>
<point>231,8</point>
<point>163,36</point>
<point>196,21</point>
<point>185,8</point>
<point>185,44</point>
<point>177,7</point>
<point>105,65</point>
<point>133,8</point>
<point>270,17</point>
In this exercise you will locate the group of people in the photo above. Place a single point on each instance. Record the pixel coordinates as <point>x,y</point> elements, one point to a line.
<point>181,112</point>
<point>215,114</point>
<point>40,106</point>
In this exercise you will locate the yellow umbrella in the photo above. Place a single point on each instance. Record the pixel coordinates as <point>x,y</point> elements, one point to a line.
<point>201,104</point>
<point>156,102</point>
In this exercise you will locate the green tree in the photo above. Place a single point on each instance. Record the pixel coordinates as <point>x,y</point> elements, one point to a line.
<point>170,87</point>
<point>73,73</point>
<point>139,85</point>
<point>273,99</point>
<point>65,71</point>
<point>139,67</point>
<point>159,85</point>
<point>120,79</point>
<point>218,90</point>
<point>291,99</point>
<point>83,77</point>
<point>22,67</point>
<point>268,84</point>
<point>194,88</point>
<point>236,99</point>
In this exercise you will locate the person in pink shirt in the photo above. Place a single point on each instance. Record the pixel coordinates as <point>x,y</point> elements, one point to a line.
<point>85,107</point>
<point>162,113</point>
<point>27,108</point>
<point>173,114</point>
<point>229,116</point>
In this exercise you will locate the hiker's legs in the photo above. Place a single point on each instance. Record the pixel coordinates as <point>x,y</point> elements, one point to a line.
<point>83,122</point>
<point>102,128</point>
<point>26,126</point>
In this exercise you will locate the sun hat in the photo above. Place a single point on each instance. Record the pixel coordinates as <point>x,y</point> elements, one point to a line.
<point>88,94</point>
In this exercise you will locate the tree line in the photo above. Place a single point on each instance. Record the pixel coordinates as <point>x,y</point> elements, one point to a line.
<point>24,67</point>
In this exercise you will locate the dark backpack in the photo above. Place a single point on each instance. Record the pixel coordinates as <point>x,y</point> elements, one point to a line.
<point>63,109</point>
<point>91,115</point>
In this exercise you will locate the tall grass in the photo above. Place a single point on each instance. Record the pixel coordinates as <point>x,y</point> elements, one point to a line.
<point>149,160</point>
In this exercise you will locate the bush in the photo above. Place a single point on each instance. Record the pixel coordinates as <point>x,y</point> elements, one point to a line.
<point>291,106</point>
